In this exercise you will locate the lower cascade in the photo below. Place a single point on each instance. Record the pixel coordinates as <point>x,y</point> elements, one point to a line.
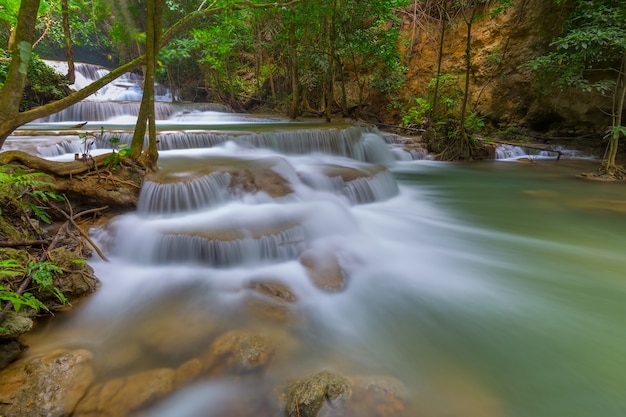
<point>285,269</point>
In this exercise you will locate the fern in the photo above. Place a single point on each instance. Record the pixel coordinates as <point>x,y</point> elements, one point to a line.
<point>10,267</point>
<point>19,300</point>
<point>18,183</point>
<point>42,274</point>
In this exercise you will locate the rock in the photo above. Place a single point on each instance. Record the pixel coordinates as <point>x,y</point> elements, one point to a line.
<point>323,394</point>
<point>121,396</point>
<point>324,270</point>
<point>270,301</point>
<point>76,281</point>
<point>173,335</point>
<point>187,372</point>
<point>49,385</point>
<point>9,350</point>
<point>274,289</point>
<point>236,352</point>
<point>378,396</point>
<point>14,325</point>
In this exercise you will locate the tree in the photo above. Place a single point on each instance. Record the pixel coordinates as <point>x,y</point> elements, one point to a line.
<point>146,112</point>
<point>11,91</point>
<point>591,56</point>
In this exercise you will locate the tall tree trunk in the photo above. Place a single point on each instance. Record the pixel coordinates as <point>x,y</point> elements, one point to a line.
<point>13,88</point>
<point>67,36</point>
<point>148,158</point>
<point>444,15</point>
<point>466,145</point>
<point>294,108</point>
<point>330,71</point>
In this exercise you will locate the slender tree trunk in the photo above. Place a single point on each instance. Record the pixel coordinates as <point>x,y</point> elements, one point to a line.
<point>270,74</point>
<point>468,61</point>
<point>610,166</point>
<point>444,15</point>
<point>330,71</point>
<point>67,36</point>
<point>148,158</point>
<point>11,91</point>
<point>294,108</point>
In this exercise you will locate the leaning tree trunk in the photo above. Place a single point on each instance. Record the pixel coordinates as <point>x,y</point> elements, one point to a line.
<point>11,91</point>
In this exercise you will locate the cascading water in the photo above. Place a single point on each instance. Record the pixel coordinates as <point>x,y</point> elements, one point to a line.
<point>449,289</point>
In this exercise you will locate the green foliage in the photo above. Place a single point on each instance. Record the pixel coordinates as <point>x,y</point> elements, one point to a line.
<point>17,185</point>
<point>593,42</point>
<point>448,102</point>
<point>113,159</point>
<point>42,274</point>
<point>11,267</point>
<point>474,122</point>
<point>20,300</point>
<point>417,115</point>
<point>44,83</point>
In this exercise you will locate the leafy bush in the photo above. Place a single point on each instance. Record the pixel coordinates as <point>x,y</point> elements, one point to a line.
<point>17,184</point>
<point>44,84</point>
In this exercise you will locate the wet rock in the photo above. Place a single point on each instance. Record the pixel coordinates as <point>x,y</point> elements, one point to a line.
<point>14,325</point>
<point>77,281</point>
<point>323,394</point>
<point>121,396</point>
<point>9,351</point>
<point>378,396</point>
<point>274,289</point>
<point>237,351</point>
<point>171,335</point>
<point>323,269</point>
<point>187,372</point>
<point>270,301</point>
<point>49,385</point>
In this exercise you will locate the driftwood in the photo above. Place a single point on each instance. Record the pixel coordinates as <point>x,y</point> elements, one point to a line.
<point>54,167</point>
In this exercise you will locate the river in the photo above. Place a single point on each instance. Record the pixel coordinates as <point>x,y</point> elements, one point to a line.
<point>490,289</point>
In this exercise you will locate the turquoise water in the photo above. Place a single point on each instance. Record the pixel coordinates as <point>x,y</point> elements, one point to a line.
<point>552,341</point>
<point>492,289</point>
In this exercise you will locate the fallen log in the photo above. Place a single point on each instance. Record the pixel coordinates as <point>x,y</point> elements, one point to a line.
<point>62,169</point>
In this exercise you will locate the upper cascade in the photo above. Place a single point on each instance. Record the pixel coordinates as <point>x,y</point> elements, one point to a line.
<point>128,87</point>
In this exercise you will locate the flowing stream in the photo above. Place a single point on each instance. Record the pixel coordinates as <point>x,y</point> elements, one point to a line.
<point>488,289</point>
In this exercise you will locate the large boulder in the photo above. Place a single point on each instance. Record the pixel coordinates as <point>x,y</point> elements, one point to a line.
<point>121,396</point>
<point>50,385</point>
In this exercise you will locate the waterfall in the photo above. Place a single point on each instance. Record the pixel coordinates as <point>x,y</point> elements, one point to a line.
<point>273,247</point>
<point>513,152</point>
<point>190,194</point>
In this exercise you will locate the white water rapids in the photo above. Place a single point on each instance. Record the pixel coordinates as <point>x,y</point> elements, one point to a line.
<point>486,290</point>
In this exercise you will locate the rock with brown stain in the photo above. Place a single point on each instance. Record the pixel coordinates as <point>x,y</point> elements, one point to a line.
<point>49,385</point>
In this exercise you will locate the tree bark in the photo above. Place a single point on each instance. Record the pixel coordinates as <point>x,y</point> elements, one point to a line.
<point>444,15</point>
<point>67,36</point>
<point>149,157</point>
<point>610,166</point>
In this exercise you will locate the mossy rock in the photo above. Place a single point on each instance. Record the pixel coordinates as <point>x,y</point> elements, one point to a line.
<point>306,398</point>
